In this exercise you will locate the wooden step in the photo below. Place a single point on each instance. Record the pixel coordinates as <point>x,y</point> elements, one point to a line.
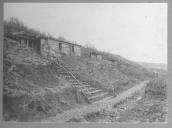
<point>60,69</point>
<point>65,65</point>
<point>88,88</point>
<point>74,80</point>
<point>94,94</point>
<point>98,97</point>
<point>64,72</point>
<point>68,67</point>
<point>69,77</point>
<point>73,71</point>
<point>64,75</point>
<point>57,67</point>
<point>76,84</point>
<point>83,82</point>
<point>105,99</point>
<point>82,86</point>
<point>91,92</point>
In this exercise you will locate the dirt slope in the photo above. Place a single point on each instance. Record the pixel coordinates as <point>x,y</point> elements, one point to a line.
<point>79,113</point>
<point>32,88</point>
<point>119,75</point>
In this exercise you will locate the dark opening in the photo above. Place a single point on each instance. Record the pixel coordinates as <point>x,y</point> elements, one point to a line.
<point>30,44</point>
<point>72,48</point>
<point>60,46</point>
<point>38,46</point>
<point>23,43</point>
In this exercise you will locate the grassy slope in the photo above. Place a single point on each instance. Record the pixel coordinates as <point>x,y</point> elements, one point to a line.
<point>36,91</point>
<point>120,74</point>
<point>153,105</point>
<point>32,88</point>
<point>145,106</point>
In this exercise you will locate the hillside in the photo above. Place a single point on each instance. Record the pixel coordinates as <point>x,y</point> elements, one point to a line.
<point>159,66</point>
<point>36,87</point>
<point>32,88</point>
<point>119,75</point>
<point>147,105</point>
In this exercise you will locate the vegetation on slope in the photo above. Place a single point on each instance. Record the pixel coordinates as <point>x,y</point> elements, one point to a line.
<point>15,25</point>
<point>32,88</point>
<point>113,76</point>
<point>153,105</point>
<point>146,105</point>
<point>149,105</point>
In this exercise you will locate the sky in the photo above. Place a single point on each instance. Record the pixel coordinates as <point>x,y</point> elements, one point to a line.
<point>136,31</point>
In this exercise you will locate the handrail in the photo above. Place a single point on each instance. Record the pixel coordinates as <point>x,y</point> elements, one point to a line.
<point>59,63</point>
<point>64,63</point>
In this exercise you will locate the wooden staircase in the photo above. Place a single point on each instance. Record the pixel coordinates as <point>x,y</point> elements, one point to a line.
<point>91,93</point>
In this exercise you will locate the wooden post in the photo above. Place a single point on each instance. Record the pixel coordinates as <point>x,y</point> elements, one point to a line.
<point>21,43</point>
<point>77,97</point>
<point>27,43</point>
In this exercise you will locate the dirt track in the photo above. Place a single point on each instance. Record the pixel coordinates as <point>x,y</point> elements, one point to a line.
<point>95,107</point>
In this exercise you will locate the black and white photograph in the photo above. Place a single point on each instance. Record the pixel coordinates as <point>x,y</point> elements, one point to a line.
<point>85,62</point>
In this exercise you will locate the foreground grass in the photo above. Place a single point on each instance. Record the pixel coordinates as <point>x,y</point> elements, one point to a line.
<point>150,107</point>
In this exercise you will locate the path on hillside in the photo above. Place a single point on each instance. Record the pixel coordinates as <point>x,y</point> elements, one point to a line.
<point>95,107</point>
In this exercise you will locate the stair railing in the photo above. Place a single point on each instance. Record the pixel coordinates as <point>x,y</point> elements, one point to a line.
<point>66,64</point>
<point>61,65</point>
<point>59,62</point>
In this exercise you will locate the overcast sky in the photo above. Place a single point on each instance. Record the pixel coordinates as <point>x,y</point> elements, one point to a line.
<point>135,31</point>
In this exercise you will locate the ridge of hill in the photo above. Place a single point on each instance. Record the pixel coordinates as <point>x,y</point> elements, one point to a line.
<point>113,76</point>
<point>160,66</point>
<point>33,89</point>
